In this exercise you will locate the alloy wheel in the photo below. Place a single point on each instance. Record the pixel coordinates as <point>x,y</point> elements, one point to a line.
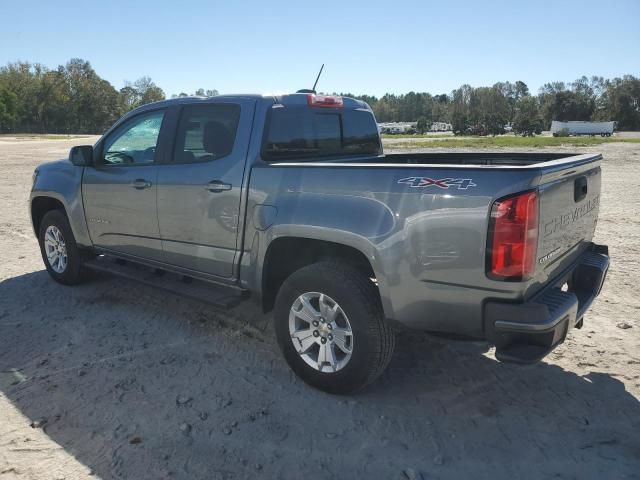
<point>55,249</point>
<point>321,332</point>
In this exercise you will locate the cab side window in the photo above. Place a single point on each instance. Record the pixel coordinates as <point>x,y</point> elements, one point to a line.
<point>135,143</point>
<point>205,132</point>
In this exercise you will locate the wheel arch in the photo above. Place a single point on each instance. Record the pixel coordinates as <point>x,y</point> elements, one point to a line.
<point>288,254</point>
<point>40,206</point>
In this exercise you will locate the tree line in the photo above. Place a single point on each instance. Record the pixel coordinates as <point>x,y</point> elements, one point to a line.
<point>70,99</point>
<point>487,110</point>
<point>73,98</point>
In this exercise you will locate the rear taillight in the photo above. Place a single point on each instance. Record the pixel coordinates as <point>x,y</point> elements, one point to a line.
<point>513,237</point>
<point>333,101</point>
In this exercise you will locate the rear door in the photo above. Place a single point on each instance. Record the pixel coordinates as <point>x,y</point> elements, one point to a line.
<point>199,186</point>
<point>119,192</point>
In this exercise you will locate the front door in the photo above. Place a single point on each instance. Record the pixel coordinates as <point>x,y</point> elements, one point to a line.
<point>200,184</point>
<point>119,192</point>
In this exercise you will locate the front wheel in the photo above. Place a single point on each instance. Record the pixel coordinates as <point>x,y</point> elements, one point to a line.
<point>331,329</point>
<point>60,254</point>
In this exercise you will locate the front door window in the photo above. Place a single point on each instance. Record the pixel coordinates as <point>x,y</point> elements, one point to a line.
<point>136,142</point>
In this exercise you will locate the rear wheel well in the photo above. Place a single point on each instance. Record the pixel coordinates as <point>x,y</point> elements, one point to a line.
<point>286,255</point>
<point>40,206</point>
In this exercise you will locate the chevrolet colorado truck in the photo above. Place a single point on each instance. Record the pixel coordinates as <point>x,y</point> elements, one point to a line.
<point>290,200</point>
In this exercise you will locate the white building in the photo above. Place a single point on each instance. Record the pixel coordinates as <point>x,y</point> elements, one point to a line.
<point>440,127</point>
<point>397,127</point>
<point>405,127</point>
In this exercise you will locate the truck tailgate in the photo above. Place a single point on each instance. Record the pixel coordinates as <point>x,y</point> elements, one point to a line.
<point>568,207</point>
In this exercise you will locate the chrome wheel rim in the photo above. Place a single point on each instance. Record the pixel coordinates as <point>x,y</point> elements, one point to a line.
<point>320,332</point>
<point>55,249</point>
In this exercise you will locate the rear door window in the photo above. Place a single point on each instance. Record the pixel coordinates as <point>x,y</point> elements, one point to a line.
<point>306,133</point>
<point>205,132</point>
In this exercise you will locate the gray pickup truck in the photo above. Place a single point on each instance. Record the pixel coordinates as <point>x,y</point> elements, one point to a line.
<point>290,200</point>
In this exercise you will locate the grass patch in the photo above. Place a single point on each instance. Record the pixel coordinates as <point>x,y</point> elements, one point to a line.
<point>522,142</point>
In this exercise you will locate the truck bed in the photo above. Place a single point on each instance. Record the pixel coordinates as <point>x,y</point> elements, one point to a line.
<point>439,204</point>
<point>476,158</point>
<point>546,162</point>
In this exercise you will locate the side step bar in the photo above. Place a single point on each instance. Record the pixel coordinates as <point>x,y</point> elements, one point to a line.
<point>216,295</point>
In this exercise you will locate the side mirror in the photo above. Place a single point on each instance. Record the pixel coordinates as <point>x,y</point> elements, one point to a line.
<point>81,155</point>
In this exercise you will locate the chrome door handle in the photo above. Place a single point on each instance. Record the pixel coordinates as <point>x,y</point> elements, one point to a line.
<point>140,184</point>
<point>216,186</point>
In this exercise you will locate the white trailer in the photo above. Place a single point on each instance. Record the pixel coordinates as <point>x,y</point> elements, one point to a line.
<point>604,129</point>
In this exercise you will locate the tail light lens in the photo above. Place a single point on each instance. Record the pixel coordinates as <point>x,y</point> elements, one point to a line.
<point>332,101</point>
<point>513,237</point>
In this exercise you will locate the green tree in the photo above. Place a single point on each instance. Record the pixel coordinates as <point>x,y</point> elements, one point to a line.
<point>74,99</point>
<point>490,109</point>
<point>576,101</point>
<point>621,102</point>
<point>512,92</point>
<point>128,97</point>
<point>53,104</point>
<point>460,113</point>
<point>93,102</point>
<point>423,125</point>
<point>148,91</point>
<point>527,119</point>
<point>138,93</point>
<point>8,106</point>
<point>20,78</point>
<point>521,90</point>
<point>570,105</point>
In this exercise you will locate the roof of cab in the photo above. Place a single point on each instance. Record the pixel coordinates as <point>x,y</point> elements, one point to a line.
<point>289,98</point>
<point>186,101</point>
<point>197,99</point>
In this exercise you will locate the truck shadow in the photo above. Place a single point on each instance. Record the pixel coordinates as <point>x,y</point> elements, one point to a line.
<point>136,383</point>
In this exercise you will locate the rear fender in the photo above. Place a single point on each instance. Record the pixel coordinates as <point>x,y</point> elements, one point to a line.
<point>351,221</point>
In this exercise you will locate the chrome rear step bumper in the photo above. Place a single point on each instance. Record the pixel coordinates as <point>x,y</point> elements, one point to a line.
<point>527,332</point>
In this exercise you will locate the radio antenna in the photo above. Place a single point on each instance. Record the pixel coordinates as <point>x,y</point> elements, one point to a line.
<point>317,78</point>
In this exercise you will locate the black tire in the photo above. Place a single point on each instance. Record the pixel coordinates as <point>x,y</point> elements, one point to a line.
<point>373,338</point>
<point>72,274</point>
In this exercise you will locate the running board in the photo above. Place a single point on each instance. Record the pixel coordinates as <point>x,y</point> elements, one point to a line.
<point>184,286</point>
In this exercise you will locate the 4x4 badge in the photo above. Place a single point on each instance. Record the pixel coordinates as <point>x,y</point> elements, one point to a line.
<point>459,183</point>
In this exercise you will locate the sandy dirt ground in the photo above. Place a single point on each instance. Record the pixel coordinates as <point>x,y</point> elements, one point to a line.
<point>111,379</point>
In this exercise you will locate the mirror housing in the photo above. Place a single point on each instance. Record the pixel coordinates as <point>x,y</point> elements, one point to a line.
<point>81,155</point>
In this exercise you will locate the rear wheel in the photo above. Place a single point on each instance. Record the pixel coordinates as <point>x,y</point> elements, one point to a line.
<point>60,254</point>
<point>331,329</point>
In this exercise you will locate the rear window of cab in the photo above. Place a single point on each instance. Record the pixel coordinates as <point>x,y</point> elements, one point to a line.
<point>300,132</point>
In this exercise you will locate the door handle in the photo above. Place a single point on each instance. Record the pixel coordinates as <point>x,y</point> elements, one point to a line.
<point>140,184</point>
<point>580,188</point>
<point>217,186</point>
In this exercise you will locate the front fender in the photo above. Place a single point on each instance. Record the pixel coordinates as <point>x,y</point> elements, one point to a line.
<point>62,181</point>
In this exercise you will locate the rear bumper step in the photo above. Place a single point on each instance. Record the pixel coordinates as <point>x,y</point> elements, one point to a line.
<point>527,332</point>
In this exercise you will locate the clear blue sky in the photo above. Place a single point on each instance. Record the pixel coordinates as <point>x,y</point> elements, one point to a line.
<point>368,47</point>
